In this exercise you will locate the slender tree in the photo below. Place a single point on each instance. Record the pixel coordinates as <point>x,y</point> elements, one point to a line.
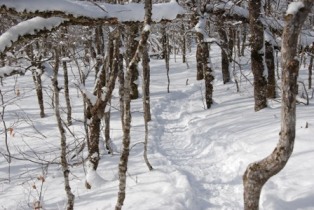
<point>257,54</point>
<point>64,163</point>
<point>123,164</point>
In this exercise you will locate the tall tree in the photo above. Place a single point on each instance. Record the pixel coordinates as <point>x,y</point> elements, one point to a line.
<point>123,164</point>
<point>257,173</point>
<point>257,54</point>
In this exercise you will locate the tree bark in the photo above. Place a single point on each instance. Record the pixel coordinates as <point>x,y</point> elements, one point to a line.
<point>132,33</point>
<point>270,63</point>
<point>123,164</point>
<point>64,163</point>
<point>224,52</point>
<point>98,110</point>
<point>66,93</point>
<point>257,54</point>
<point>257,173</point>
<point>310,69</point>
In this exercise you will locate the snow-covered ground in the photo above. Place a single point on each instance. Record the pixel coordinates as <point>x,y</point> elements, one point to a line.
<point>198,155</point>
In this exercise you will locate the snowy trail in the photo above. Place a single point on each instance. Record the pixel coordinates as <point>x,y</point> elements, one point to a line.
<point>198,147</point>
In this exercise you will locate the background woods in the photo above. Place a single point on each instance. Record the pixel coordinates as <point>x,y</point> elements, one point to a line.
<point>156,104</point>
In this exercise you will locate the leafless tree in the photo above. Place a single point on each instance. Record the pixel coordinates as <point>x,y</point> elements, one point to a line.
<point>257,173</point>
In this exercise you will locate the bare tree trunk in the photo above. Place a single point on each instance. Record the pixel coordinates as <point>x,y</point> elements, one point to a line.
<point>99,108</point>
<point>64,163</point>
<point>270,63</point>
<point>257,54</point>
<point>132,33</point>
<point>5,128</point>
<point>39,92</point>
<point>224,52</point>
<point>183,43</point>
<point>166,52</point>
<point>257,173</point>
<point>208,76</point>
<point>311,67</point>
<point>146,100</point>
<point>199,62</point>
<point>244,31</point>
<point>167,59</point>
<point>66,93</point>
<point>123,164</point>
<point>106,121</point>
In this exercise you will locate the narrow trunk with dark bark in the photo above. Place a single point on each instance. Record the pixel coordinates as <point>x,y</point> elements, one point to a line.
<point>224,52</point>
<point>257,55</point>
<point>270,63</point>
<point>311,67</point>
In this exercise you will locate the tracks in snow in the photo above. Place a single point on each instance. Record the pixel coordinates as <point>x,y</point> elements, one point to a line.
<point>198,146</point>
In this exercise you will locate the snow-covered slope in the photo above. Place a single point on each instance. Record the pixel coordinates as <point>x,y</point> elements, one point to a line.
<point>198,155</point>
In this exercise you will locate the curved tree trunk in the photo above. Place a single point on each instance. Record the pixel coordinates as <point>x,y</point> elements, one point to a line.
<point>257,173</point>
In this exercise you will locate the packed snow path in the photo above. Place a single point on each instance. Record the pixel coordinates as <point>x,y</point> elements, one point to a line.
<point>210,149</point>
<point>198,145</point>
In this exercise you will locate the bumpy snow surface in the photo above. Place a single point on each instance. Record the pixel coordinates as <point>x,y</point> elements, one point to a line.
<point>198,155</point>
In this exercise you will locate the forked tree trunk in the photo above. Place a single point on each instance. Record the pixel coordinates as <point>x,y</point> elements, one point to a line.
<point>99,108</point>
<point>64,163</point>
<point>257,173</point>
<point>257,55</point>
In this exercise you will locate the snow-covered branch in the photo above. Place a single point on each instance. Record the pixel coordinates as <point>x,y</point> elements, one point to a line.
<point>83,12</point>
<point>28,29</point>
<point>7,71</point>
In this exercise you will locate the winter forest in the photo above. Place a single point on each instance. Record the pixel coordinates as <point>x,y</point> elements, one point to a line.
<point>156,105</point>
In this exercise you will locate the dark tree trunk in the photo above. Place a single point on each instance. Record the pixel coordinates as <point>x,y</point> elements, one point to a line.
<point>199,62</point>
<point>39,93</point>
<point>244,32</point>
<point>257,54</point>
<point>183,44</point>
<point>224,52</point>
<point>311,67</point>
<point>270,63</point>
<point>132,34</point>
<point>98,110</point>
<point>257,173</point>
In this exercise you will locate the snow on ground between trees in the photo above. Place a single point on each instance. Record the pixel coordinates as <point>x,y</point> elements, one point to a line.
<point>198,155</point>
